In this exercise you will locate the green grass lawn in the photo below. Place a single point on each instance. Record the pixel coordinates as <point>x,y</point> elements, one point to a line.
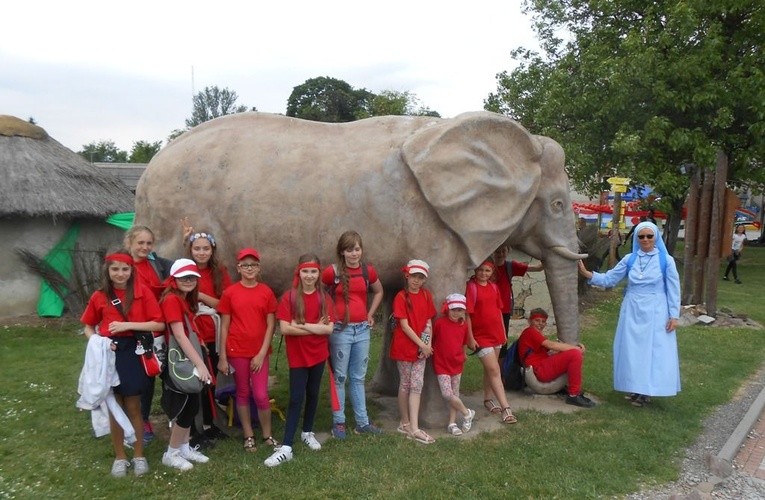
<point>47,450</point>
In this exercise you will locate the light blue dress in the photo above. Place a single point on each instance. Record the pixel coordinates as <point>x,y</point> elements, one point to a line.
<point>645,354</point>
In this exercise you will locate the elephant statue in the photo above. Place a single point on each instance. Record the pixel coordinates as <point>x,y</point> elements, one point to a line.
<point>448,191</point>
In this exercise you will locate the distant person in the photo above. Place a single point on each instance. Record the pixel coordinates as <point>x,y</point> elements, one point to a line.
<point>737,248</point>
<point>646,361</point>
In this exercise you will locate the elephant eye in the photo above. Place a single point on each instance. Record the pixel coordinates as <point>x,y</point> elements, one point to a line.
<point>556,206</point>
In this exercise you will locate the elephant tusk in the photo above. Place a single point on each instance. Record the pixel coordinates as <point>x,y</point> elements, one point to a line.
<point>568,254</point>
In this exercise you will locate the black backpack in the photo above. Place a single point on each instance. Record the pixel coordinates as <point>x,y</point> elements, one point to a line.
<point>511,369</point>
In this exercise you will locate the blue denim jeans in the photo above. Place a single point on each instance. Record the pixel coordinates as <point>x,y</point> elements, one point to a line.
<point>349,349</point>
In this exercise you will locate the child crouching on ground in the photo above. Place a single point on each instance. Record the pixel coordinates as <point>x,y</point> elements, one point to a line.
<point>450,336</point>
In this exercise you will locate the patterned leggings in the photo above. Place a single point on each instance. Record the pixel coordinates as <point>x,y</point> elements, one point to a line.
<point>450,386</point>
<point>411,375</point>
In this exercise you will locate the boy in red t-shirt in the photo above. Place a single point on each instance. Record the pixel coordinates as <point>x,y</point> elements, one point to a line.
<point>450,336</point>
<point>548,366</point>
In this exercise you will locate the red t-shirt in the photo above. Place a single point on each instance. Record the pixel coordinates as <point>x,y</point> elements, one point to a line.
<point>249,309</point>
<point>205,323</point>
<point>485,308</point>
<point>505,282</point>
<point>146,275</point>
<point>304,351</point>
<point>357,298</point>
<point>449,339</point>
<point>174,308</point>
<point>100,311</point>
<point>418,313</point>
<point>531,338</point>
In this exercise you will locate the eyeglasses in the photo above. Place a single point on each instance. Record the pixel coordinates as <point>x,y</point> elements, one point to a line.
<point>187,279</point>
<point>248,266</point>
<point>644,236</point>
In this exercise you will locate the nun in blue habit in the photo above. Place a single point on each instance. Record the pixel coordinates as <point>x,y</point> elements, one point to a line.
<point>646,362</point>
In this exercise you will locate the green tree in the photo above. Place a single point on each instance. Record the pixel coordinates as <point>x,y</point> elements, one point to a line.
<point>103,151</point>
<point>637,88</point>
<point>144,151</point>
<point>326,99</point>
<point>392,102</point>
<point>213,102</point>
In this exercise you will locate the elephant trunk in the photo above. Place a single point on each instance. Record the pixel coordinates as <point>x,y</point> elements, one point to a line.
<point>561,276</point>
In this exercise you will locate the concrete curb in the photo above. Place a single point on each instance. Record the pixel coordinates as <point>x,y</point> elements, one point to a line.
<point>721,465</point>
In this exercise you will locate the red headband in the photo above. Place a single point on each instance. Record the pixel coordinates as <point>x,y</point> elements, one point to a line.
<point>119,257</point>
<point>538,315</point>
<point>488,263</point>
<point>303,265</point>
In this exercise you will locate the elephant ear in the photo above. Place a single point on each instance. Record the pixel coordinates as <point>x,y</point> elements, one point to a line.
<point>480,171</point>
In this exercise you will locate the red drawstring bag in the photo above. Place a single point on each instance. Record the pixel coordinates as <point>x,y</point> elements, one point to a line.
<point>151,363</point>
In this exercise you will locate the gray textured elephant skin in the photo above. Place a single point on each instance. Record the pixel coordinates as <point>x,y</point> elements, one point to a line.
<point>448,191</point>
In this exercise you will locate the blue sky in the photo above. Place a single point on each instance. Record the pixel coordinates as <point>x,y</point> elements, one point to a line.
<point>95,70</point>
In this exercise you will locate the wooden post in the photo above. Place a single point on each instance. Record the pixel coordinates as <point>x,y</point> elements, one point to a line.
<point>702,239</point>
<point>616,221</point>
<point>716,228</point>
<point>691,231</point>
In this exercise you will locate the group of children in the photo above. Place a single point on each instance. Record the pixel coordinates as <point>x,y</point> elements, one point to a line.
<point>324,317</point>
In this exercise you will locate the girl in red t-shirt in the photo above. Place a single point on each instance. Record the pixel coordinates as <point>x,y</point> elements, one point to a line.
<point>151,271</point>
<point>248,316</point>
<point>486,334</point>
<point>413,310</point>
<point>306,318</point>
<point>179,304</point>
<point>214,278</point>
<point>450,336</point>
<point>118,309</point>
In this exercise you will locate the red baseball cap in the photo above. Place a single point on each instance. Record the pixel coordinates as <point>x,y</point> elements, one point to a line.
<point>248,252</point>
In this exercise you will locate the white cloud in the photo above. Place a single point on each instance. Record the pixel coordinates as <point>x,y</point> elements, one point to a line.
<point>88,70</point>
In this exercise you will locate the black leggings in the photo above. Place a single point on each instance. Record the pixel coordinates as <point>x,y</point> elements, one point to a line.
<point>732,266</point>
<point>304,384</point>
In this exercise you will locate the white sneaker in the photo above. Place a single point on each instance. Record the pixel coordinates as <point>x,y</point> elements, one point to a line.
<point>281,455</point>
<point>175,460</point>
<point>120,467</point>
<point>140,466</point>
<point>309,438</point>
<point>467,422</point>
<point>192,455</point>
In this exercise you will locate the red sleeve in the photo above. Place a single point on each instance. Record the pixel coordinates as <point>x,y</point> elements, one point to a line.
<point>93,311</point>
<point>471,296</point>
<point>531,338</point>
<point>373,277</point>
<point>172,308</point>
<point>284,310</point>
<point>224,305</point>
<point>399,306</point>
<point>151,309</point>
<point>271,302</point>
<point>518,268</point>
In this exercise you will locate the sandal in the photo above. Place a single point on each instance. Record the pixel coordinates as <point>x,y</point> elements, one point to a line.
<point>491,405</point>
<point>453,429</point>
<point>403,429</point>
<point>422,437</point>
<point>270,441</point>
<point>508,417</point>
<point>249,444</point>
<point>639,401</point>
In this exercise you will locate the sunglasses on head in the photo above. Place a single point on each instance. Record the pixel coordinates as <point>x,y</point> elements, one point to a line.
<point>644,236</point>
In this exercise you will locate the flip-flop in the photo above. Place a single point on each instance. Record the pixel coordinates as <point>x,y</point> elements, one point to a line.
<point>491,405</point>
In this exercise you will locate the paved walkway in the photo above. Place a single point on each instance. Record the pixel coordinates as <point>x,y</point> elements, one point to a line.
<point>751,457</point>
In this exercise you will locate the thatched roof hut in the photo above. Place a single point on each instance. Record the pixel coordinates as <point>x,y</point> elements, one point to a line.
<point>50,195</point>
<point>42,178</point>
